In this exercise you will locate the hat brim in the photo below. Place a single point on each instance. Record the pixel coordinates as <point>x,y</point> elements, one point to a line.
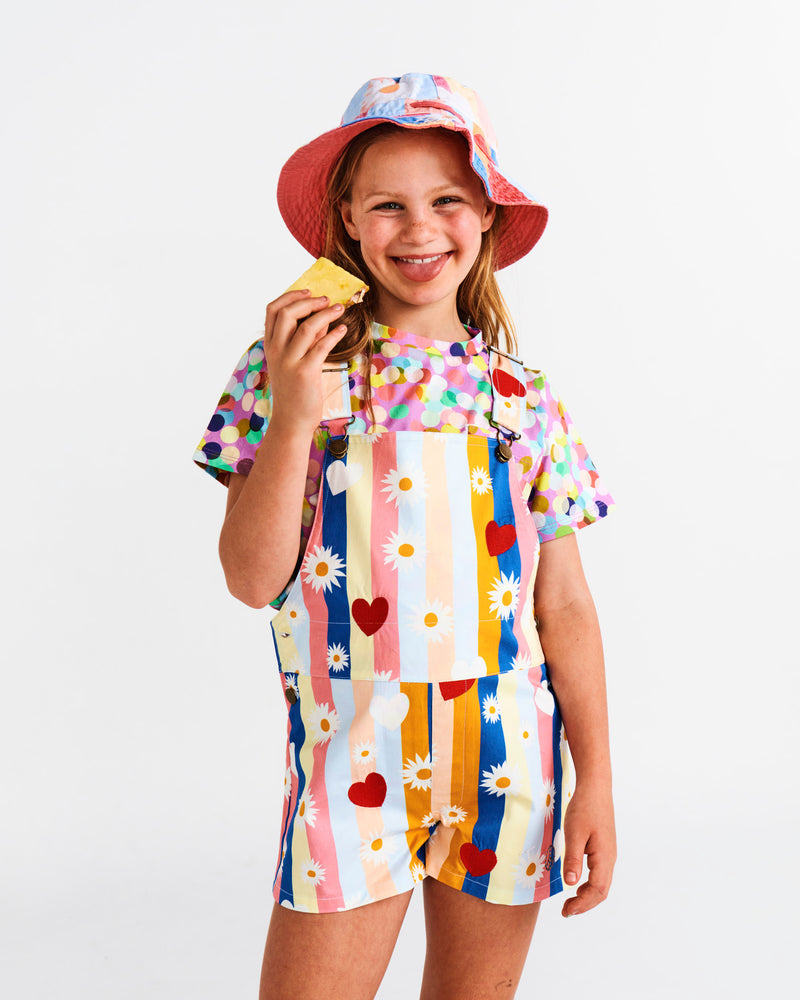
<point>304,179</point>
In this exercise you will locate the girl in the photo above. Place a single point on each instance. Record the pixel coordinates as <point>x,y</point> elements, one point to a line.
<point>432,486</point>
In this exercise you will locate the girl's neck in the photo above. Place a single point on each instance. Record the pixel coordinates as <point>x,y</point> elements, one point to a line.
<point>429,321</point>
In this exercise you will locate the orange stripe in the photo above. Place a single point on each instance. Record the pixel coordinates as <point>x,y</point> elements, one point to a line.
<point>414,740</point>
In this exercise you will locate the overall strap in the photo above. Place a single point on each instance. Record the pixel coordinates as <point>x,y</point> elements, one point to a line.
<point>336,410</point>
<point>509,392</point>
<point>336,393</point>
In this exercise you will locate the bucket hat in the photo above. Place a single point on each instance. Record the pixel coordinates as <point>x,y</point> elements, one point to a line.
<point>414,101</point>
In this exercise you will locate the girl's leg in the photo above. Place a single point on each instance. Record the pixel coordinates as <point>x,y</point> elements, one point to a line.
<point>330,956</point>
<point>475,949</point>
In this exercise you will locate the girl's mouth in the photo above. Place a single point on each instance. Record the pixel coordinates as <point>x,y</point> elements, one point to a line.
<point>422,268</point>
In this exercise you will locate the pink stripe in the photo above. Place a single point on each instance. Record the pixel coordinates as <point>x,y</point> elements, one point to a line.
<point>528,544</point>
<point>323,694</point>
<point>439,538</point>
<point>385,520</point>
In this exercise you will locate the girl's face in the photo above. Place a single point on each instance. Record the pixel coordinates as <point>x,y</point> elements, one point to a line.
<point>418,212</point>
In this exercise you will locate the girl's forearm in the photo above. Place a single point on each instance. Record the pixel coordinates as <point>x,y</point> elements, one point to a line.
<point>260,538</point>
<point>570,638</point>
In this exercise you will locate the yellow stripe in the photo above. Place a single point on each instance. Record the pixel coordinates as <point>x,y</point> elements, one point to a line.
<point>482,514</point>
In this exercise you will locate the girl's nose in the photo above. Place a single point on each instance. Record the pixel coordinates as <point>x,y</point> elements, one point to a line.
<point>419,224</point>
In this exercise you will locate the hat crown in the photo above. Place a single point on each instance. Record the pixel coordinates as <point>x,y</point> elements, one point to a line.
<point>420,99</point>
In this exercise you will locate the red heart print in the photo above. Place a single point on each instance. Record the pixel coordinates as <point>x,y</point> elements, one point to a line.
<point>370,617</point>
<point>477,862</point>
<point>370,792</point>
<point>452,689</point>
<point>499,537</point>
<point>506,384</point>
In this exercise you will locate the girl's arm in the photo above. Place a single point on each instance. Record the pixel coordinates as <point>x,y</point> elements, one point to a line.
<point>570,637</point>
<point>260,537</point>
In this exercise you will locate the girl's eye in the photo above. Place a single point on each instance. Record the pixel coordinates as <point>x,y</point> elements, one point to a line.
<point>387,205</point>
<point>447,199</point>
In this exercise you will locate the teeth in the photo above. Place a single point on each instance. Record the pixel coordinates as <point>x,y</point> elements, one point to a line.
<point>420,260</point>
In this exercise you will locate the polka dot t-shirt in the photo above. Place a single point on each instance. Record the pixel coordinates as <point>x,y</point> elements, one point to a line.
<point>420,384</point>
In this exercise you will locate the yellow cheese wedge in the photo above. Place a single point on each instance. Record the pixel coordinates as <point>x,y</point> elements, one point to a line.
<point>326,278</point>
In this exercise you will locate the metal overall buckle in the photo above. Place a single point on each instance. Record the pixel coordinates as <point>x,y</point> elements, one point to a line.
<point>337,444</point>
<point>505,438</point>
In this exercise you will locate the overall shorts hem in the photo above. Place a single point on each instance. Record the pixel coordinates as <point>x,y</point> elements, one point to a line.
<point>310,902</point>
<point>501,897</point>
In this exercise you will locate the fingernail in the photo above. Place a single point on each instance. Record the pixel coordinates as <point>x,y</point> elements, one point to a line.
<point>339,307</point>
<point>571,878</point>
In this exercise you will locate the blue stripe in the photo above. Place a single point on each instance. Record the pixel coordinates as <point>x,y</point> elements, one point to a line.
<point>491,808</point>
<point>508,562</point>
<point>297,735</point>
<point>558,777</point>
<point>334,536</point>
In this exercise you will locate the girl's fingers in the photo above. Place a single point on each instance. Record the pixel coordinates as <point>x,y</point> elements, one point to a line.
<point>294,336</point>
<point>600,863</point>
<point>284,313</point>
<point>323,347</point>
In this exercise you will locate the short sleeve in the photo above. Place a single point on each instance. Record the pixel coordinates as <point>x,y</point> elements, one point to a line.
<point>567,491</point>
<point>237,426</point>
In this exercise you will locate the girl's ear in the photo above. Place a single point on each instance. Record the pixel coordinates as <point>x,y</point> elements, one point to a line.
<point>347,218</point>
<point>488,216</point>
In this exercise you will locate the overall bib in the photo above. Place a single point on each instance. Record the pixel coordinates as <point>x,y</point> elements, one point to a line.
<point>423,738</point>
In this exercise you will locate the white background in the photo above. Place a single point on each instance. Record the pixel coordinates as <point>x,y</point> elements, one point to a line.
<point>142,724</point>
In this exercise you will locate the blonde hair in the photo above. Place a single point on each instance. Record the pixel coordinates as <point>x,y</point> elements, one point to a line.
<point>479,300</point>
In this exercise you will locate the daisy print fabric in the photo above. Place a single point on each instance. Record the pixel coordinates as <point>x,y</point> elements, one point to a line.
<point>389,783</point>
<point>420,384</point>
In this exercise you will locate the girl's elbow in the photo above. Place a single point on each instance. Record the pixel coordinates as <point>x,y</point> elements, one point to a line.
<point>254,593</point>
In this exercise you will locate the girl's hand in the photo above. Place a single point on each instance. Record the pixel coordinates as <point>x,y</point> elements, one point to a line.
<point>589,829</point>
<point>297,339</point>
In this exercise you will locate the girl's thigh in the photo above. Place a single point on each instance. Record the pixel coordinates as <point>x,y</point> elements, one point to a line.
<point>330,956</point>
<point>475,949</point>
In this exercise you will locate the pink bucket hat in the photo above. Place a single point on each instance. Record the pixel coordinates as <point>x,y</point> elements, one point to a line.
<point>415,100</point>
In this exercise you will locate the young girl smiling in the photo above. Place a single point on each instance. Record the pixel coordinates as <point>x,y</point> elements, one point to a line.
<point>405,493</point>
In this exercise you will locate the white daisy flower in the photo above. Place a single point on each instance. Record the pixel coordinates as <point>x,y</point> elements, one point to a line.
<point>403,549</point>
<point>383,675</point>
<point>405,485</point>
<point>290,683</point>
<point>501,779</point>
<point>481,481</point>
<point>364,753</point>
<point>337,658</point>
<point>433,620</point>
<point>293,613</point>
<point>418,772</point>
<point>527,733</point>
<point>548,798</point>
<point>287,783</point>
<point>530,869</point>
<point>558,844</point>
<point>378,848</point>
<point>294,665</point>
<point>453,815</point>
<point>428,820</point>
<point>417,871</point>
<point>491,708</point>
<point>322,568</point>
<point>323,723</point>
<point>306,810</point>
<point>521,662</point>
<point>504,595</point>
<point>313,872</point>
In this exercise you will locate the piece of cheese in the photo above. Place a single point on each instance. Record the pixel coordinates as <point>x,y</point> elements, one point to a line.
<point>326,278</point>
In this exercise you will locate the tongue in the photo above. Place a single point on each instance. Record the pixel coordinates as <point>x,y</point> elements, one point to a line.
<point>421,272</point>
